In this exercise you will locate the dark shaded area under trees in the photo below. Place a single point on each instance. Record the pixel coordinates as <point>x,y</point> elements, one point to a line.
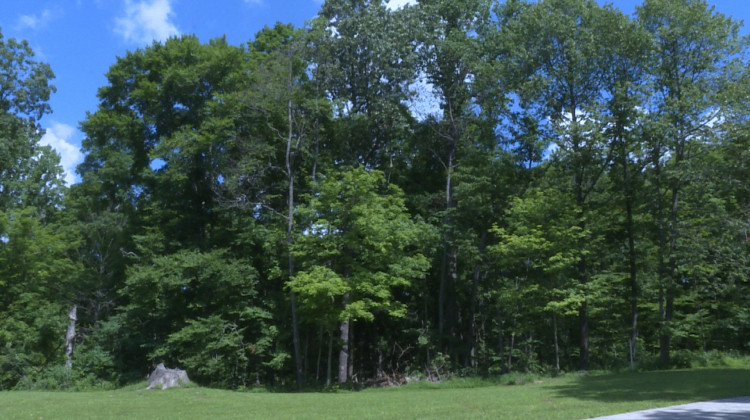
<point>291,212</point>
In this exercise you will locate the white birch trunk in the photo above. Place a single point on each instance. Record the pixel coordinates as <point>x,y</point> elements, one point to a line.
<point>70,336</point>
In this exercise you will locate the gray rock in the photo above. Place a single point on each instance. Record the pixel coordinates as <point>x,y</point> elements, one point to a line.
<point>167,378</point>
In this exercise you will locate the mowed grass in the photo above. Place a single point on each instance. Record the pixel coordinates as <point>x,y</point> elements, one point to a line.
<point>568,397</point>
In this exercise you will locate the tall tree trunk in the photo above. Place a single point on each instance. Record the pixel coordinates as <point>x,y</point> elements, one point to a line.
<point>500,342</point>
<point>295,339</point>
<point>557,346</point>
<point>662,277</point>
<point>583,311</point>
<point>447,271</point>
<point>344,352</point>
<point>70,336</point>
<point>351,352</point>
<point>475,302</point>
<point>329,365</point>
<point>512,341</point>
<point>471,357</point>
<point>320,354</point>
<point>584,320</point>
<point>668,315</point>
<point>672,269</point>
<point>634,289</point>
<point>580,197</point>
<point>289,231</point>
<point>630,233</point>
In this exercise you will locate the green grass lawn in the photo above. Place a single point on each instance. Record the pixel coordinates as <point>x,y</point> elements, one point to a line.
<point>568,397</point>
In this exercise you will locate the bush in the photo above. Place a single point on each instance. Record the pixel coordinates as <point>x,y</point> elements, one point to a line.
<point>55,378</point>
<point>62,378</point>
<point>683,359</point>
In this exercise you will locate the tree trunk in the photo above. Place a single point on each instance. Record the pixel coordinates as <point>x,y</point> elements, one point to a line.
<point>630,232</point>
<point>580,196</point>
<point>320,354</point>
<point>306,352</point>
<point>668,315</point>
<point>512,345</point>
<point>634,289</point>
<point>557,346</point>
<point>344,352</point>
<point>289,231</point>
<point>295,325</point>
<point>329,366</point>
<point>500,343</point>
<point>583,311</point>
<point>663,335</point>
<point>584,319</point>
<point>70,336</point>
<point>474,303</point>
<point>351,353</point>
<point>666,341</point>
<point>448,274</point>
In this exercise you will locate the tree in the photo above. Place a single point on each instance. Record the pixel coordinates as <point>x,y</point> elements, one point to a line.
<point>277,149</point>
<point>538,253</point>
<point>35,272</point>
<point>561,51</point>
<point>31,174</point>
<point>203,311</point>
<point>34,277</point>
<point>448,52</point>
<point>363,252</point>
<point>154,143</point>
<point>364,61</point>
<point>155,151</point>
<point>625,83</point>
<point>694,49</point>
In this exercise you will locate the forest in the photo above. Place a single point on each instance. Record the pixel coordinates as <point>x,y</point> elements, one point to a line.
<point>468,187</point>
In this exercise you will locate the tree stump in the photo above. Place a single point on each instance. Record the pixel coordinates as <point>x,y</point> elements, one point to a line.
<point>167,378</point>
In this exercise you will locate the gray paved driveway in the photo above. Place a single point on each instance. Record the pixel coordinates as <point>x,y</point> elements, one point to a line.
<point>731,409</point>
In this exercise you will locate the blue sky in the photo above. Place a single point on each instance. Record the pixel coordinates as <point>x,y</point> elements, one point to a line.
<point>81,39</point>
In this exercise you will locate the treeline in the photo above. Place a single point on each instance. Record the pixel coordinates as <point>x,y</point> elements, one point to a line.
<point>455,187</point>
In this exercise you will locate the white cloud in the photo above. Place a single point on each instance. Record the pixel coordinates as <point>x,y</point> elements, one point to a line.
<point>58,137</point>
<point>146,21</point>
<point>397,4</point>
<point>35,22</point>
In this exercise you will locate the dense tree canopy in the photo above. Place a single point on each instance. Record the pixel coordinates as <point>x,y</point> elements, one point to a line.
<point>35,270</point>
<point>452,187</point>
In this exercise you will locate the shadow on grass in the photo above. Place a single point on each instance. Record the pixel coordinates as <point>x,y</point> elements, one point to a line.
<point>674,385</point>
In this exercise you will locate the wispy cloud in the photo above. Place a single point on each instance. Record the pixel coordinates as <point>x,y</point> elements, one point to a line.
<point>146,21</point>
<point>58,137</point>
<point>396,4</point>
<point>36,21</point>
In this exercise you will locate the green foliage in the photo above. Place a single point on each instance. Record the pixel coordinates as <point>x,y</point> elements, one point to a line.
<point>30,174</point>
<point>213,350</point>
<point>580,199</point>
<point>365,62</point>
<point>202,311</point>
<point>365,245</point>
<point>35,271</point>
<point>63,378</point>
